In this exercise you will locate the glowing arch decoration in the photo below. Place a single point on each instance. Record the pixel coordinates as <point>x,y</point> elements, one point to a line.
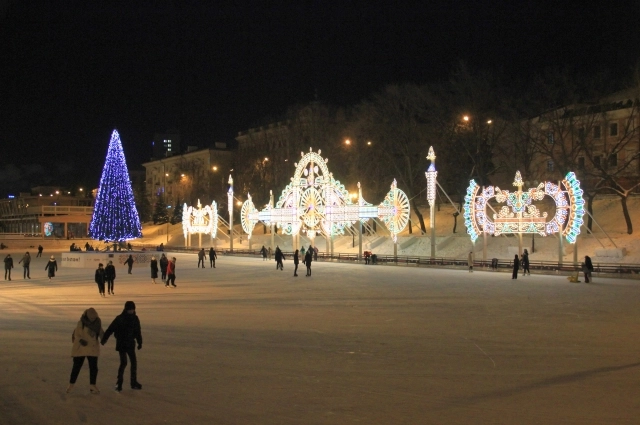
<point>200,220</point>
<point>314,202</point>
<point>519,215</point>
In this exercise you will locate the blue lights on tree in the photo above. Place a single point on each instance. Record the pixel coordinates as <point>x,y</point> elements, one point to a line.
<point>115,217</point>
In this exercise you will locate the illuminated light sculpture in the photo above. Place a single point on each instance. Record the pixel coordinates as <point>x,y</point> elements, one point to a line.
<point>431,175</point>
<point>519,215</point>
<point>200,220</point>
<point>315,202</point>
<point>115,217</point>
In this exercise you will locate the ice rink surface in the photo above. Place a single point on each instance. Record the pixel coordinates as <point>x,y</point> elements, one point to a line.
<point>353,344</point>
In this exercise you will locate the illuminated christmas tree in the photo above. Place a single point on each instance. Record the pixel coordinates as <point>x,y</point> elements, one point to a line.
<point>115,217</point>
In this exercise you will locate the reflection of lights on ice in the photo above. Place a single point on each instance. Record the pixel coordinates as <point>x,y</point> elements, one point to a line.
<point>523,216</point>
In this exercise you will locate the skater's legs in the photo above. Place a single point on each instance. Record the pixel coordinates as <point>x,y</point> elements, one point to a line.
<point>75,370</point>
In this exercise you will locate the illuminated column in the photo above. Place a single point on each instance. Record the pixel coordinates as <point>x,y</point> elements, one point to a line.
<point>575,252</point>
<point>484,231</point>
<point>518,183</point>
<point>230,202</point>
<point>431,175</point>
<point>560,238</point>
<point>272,228</point>
<point>359,225</point>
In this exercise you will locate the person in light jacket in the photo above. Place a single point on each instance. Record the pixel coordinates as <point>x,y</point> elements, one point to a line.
<point>86,344</point>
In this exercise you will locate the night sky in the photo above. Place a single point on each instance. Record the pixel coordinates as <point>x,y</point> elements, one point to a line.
<point>72,71</point>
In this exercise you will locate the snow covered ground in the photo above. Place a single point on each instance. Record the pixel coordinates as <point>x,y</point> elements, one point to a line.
<point>246,344</point>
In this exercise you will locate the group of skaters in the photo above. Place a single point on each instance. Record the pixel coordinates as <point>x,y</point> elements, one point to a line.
<point>51,267</point>
<point>202,257</point>
<point>522,262</point>
<point>308,256</point>
<point>87,337</point>
<point>107,275</point>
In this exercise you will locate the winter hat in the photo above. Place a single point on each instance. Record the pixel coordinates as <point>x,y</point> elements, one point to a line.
<point>129,305</point>
<point>92,314</point>
<point>53,258</point>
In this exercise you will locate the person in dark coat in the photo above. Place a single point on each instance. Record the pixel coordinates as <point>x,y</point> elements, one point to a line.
<point>110,276</point>
<point>164,262</point>
<point>212,258</point>
<point>126,329</point>
<point>201,257</point>
<point>40,248</point>
<point>516,266</point>
<point>263,251</point>
<point>100,279</point>
<point>154,269</point>
<point>26,261</point>
<point>525,263</point>
<point>279,258</point>
<point>51,267</point>
<point>587,269</point>
<point>129,263</point>
<point>8,265</point>
<point>308,258</point>
<point>296,261</point>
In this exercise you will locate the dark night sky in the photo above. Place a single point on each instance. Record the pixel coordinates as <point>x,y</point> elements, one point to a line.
<point>72,71</point>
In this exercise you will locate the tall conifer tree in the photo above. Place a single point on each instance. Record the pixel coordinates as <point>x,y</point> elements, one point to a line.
<point>115,217</point>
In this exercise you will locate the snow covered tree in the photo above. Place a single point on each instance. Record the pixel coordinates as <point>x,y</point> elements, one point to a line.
<point>115,217</point>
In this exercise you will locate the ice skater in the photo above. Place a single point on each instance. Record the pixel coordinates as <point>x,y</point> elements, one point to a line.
<point>40,248</point>
<point>525,263</point>
<point>296,260</point>
<point>171,273</point>
<point>126,329</point>
<point>201,257</point>
<point>516,266</point>
<point>110,276</point>
<point>85,339</point>
<point>99,278</point>
<point>26,261</point>
<point>164,262</point>
<point>213,256</point>
<point>154,269</point>
<point>470,261</point>
<point>8,265</point>
<point>51,267</point>
<point>587,269</point>
<point>308,258</point>
<point>129,263</point>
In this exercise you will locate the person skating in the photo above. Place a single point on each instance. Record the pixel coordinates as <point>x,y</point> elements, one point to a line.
<point>587,269</point>
<point>85,339</point>
<point>126,328</point>
<point>51,267</point>
<point>296,260</point>
<point>315,253</point>
<point>164,262</point>
<point>470,261</point>
<point>129,263</point>
<point>263,251</point>
<point>110,276</point>
<point>213,256</point>
<point>516,266</point>
<point>154,269</point>
<point>308,258</point>
<point>525,263</point>
<point>99,279</point>
<point>8,265</point>
<point>40,248</point>
<point>171,273</point>
<point>201,257</point>
<point>26,261</point>
<point>279,257</point>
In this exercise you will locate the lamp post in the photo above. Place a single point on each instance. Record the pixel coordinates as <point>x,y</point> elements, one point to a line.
<point>431,175</point>
<point>230,205</point>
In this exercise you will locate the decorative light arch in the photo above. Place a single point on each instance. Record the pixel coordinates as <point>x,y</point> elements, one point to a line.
<point>519,215</point>
<point>200,220</point>
<point>315,202</point>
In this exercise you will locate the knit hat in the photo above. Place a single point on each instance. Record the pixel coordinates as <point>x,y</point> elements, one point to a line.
<point>129,305</point>
<point>53,258</point>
